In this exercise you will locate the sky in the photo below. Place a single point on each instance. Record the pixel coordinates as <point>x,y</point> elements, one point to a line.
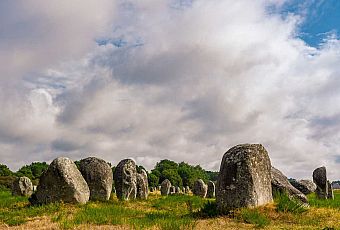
<point>183,80</point>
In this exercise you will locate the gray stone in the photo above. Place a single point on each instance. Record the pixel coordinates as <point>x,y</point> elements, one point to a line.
<point>200,188</point>
<point>172,190</point>
<point>99,178</point>
<point>62,181</point>
<point>22,186</point>
<point>280,184</point>
<point>187,189</point>
<point>304,186</point>
<point>330,194</point>
<point>126,180</point>
<point>177,190</point>
<point>244,179</point>
<point>211,190</point>
<point>320,179</point>
<point>165,187</point>
<point>142,185</point>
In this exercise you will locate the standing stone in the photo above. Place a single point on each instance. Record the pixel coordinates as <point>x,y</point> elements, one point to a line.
<point>99,178</point>
<point>320,179</point>
<point>62,181</point>
<point>177,190</point>
<point>280,184</point>
<point>244,179</point>
<point>211,190</point>
<point>165,187</point>
<point>187,189</point>
<point>200,188</point>
<point>126,180</point>
<point>22,186</point>
<point>151,189</point>
<point>172,190</point>
<point>159,188</point>
<point>142,185</point>
<point>304,186</point>
<point>330,194</point>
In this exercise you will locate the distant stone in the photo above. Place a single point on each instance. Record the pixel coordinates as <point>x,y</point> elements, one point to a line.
<point>304,186</point>
<point>172,190</point>
<point>142,185</point>
<point>165,187</point>
<point>159,188</point>
<point>330,194</point>
<point>99,178</point>
<point>125,178</point>
<point>151,189</point>
<point>22,186</point>
<point>200,188</point>
<point>280,184</point>
<point>244,179</point>
<point>211,189</point>
<point>177,190</point>
<point>320,179</point>
<point>62,181</point>
<point>187,189</point>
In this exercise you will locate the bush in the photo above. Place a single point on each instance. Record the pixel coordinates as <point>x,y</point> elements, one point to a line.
<point>284,203</point>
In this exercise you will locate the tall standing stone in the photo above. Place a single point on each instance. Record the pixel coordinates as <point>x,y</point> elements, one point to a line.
<point>244,179</point>
<point>320,179</point>
<point>98,175</point>
<point>165,187</point>
<point>22,186</point>
<point>126,180</point>
<point>280,184</point>
<point>200,188</point>
<point>62,181</point>
<point>330,194</point>
<point>211,190</point>
<point>142,185</point>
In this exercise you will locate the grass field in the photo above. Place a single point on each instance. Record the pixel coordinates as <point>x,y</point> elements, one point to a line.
<point>172,212</point>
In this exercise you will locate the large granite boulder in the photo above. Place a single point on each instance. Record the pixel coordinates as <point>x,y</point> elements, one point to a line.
<point>304,186</point>
<point>280,184</point>
<point>62,181</point>
<point>244,179</point>
<point>320,179</point>
<point>22,186</point>
<point>99,178</point>
<point>330,194</point>
<point>165,187</point>
<point>200,188</point>
<point>142,185</point>
<point>211,190</point>
<point>126,180</point>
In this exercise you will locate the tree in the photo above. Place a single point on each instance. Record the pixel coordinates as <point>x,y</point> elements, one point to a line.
<point>153,180</point>
<point>33,171</point>
<point>5,171</point>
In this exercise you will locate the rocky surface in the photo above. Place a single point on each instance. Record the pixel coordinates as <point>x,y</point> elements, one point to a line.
<point>320,179</point>
<point>165,187</point>
<point>125,178</point>
<point>211,189</point>
<point>142,185</point>
<point>304,186</point>
<point>200,188</point>
<point>22,186</point>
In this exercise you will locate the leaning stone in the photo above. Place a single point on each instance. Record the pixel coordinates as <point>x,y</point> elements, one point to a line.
<point>62,181</point>
<point>244,179</point>
<point>165,187</point>
<point>126,180</point>
<point>211,190</point>
<point>142,185</point>
<point>280,184</point>
<point>330,194</point>
<point>98,175</point>
<point>320,179</point>
<point>304,186</point>
<point>200,188</point>
<point>22,186</point>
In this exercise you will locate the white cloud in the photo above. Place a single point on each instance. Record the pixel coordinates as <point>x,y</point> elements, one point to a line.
<point>187,82</point>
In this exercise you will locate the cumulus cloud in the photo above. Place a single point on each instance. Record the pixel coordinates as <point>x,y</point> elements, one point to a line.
<point>183,80</point>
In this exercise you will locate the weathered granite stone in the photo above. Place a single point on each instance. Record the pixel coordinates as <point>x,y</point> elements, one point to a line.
<point>211,190</point>
<point>330,194</point>
<point>62,181</point>
<point>320,179</point>
<point>244,179</point>
<point>142,185</point>
<point>165,187</point>
<point>304,186</point>
<point>280,184</point>
<point>200,188</point>
<point>99,178</point>
<point>126,180</point>
<point>177,190</point>
<point>22,186</point>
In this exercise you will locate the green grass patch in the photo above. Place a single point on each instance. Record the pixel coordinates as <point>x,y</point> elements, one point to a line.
<point>323,203</point>
<point>286,204</point>
<point>254,216</point>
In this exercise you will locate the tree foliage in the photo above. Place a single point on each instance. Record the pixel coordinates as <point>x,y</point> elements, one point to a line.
<point>33,171</point>
<point>5,171</point>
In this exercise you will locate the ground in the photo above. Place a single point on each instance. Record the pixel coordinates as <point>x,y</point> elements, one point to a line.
<point>172,212</point>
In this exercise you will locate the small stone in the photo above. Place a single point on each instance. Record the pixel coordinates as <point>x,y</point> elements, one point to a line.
<point>211,190</point>
<point>172,190</point>
<point>126,180</point>
<point>320,179</point>
<point>200,188</point>
<point>165,187</point>
<point>330,194</point>
<point>22,186</point>
<point>142,185</point>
